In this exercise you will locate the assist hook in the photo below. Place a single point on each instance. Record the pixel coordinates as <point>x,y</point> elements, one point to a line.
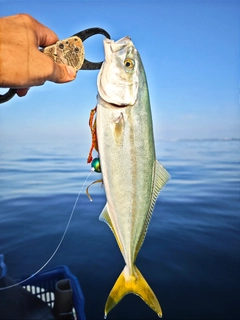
<point>70,52</point>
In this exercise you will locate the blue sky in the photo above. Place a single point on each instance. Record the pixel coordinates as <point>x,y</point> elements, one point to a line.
<point>191,55</point>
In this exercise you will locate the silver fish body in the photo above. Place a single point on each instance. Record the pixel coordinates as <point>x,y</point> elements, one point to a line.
<point>132,176</point>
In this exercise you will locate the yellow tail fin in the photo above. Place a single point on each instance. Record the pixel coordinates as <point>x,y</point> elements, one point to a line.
<point>132,283</point>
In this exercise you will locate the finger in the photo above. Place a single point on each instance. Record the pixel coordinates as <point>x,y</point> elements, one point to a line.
<point>44,68</point>
<point>62,73</point>
<point>22,92</point>
<point>45,36</point>
<point>58,73</point>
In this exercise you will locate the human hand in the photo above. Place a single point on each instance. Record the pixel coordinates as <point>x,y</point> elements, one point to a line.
<point>22,64</point>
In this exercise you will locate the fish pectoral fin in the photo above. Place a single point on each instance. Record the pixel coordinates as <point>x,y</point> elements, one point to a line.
<point>104,216</point>
<point>119,129</point>
<point>136,284</point>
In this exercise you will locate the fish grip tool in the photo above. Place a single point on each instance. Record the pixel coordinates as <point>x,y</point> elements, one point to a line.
<point>69,52</point>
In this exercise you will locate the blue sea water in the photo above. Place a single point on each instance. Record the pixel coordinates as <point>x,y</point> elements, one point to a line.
<point>191,254</point>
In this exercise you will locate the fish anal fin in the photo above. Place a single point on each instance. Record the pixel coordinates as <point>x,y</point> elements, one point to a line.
<point>132,283</point>
<point>104,216</point>
<point>160,178</point>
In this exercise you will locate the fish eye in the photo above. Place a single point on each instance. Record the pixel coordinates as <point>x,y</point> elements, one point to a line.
<point>129,63</point>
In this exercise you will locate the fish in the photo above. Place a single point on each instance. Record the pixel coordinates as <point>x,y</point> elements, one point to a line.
<point>132,176</point>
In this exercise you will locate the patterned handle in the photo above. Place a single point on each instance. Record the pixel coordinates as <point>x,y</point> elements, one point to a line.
<point>69,51</point>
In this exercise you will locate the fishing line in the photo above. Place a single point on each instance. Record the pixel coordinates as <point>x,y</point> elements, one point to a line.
<point>59,244</point>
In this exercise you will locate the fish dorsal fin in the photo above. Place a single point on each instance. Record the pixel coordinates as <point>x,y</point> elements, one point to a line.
<point>160,178</point>
<point>104,216</point>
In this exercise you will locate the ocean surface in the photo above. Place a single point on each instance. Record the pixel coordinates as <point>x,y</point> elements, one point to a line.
<point>191,254</point>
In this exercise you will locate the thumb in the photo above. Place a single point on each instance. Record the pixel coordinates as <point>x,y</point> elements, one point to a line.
<point>62,73</point>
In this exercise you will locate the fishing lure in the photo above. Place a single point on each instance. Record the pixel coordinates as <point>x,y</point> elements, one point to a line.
<point>93,129</point>
<point>95,163</point>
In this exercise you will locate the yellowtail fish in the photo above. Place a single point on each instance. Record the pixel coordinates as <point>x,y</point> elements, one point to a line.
<point>132,176</point>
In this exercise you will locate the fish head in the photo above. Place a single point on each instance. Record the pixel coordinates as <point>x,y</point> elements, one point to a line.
<point>118,79</point>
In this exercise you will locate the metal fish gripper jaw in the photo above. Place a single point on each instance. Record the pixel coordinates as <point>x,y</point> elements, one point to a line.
<point>69,52</point>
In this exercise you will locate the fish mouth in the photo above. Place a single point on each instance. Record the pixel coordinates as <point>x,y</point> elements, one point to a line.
<point>111,46</point>
<point>117,85</point>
